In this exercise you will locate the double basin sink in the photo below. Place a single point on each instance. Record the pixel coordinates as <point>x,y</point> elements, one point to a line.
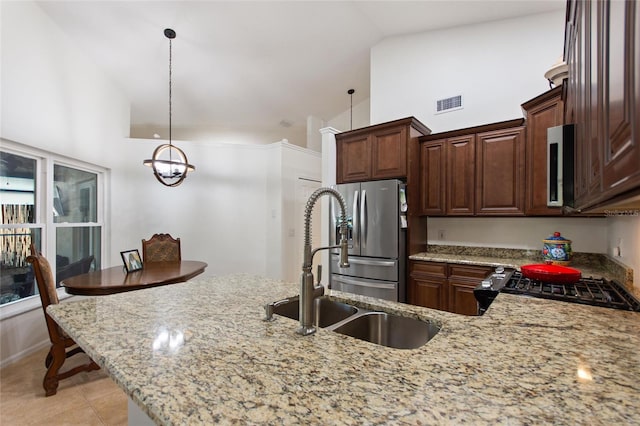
<point>381,328</point>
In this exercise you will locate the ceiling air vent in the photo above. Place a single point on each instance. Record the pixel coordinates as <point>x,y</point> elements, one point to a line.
<point>449,104</point>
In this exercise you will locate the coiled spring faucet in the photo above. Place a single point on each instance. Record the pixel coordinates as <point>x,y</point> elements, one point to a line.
<point>308,290</point>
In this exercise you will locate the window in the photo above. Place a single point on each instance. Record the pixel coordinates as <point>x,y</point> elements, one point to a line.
<point>54,203</point>
<point>19,228</point>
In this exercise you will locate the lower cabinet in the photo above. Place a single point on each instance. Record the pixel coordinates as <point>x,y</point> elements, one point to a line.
<point>446,287</point>
<point>428,284</point>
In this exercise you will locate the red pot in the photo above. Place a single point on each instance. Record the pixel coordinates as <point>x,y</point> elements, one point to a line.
<point>551,273</point>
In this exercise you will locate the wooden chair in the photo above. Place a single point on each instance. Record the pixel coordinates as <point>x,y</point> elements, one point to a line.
<point>82,266</point>
<point>161,248</point>
<point>60,341</point>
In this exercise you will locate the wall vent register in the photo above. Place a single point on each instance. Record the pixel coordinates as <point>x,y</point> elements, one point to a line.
<point>449,104</point>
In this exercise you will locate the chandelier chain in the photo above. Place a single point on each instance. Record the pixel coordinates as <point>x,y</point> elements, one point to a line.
<point>170,97</point>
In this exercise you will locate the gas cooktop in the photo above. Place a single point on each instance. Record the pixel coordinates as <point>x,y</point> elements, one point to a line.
<point>588,291</point>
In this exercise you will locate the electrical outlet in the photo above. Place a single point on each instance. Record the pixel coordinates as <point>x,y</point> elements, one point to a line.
<point>616,251</point>
<point>441,234</point>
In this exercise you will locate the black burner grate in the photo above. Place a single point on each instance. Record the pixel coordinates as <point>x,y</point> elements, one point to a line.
<point>588,291</point>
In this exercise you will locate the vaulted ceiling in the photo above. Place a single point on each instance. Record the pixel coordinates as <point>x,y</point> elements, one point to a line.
<point>253,64</point>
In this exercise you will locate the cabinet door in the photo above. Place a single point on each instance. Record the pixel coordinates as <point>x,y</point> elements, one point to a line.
<point>353,159</point>
<point>389,153</point>
<point>500,172</point>
<point>593,128</point>
<point>460,175</point>
<point>621,149</point>
<point>461,298</point>
<point>429,292</point>
<point>549,113</point>
<point>433,184</point>
<point>576,103</point>
<point>463,279</point>
<point>428,284</point>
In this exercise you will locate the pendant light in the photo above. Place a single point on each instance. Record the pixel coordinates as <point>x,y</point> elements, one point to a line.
<point>169,163</point>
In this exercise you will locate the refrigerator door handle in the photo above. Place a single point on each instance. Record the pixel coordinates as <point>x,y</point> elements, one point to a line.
<point>363,219</point>
<point>372,262</point>
<point>356,222</point>
<point>364,283</point>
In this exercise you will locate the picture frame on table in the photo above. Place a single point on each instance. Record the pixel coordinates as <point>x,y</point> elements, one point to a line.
<point>131,260</point>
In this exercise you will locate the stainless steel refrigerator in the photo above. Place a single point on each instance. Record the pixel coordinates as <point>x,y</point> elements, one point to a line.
<point>376,212</point>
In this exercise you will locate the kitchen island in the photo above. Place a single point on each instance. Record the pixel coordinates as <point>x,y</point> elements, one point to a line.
<point>201,353</point>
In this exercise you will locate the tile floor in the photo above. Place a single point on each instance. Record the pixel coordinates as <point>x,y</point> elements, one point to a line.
<point>84,399</point>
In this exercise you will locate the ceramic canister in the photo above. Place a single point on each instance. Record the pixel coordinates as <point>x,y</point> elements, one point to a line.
<point>557,250</point>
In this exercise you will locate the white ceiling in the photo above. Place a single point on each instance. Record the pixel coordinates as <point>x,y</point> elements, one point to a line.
<point>253,63</point>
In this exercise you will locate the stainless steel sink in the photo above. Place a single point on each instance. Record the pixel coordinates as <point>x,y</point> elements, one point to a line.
<point>381,328</point>
<point>389,330</point>
<point>326,311</point>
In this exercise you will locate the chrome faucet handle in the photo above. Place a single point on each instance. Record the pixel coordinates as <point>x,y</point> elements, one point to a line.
<point>269,308</point>
<point>319,274</point>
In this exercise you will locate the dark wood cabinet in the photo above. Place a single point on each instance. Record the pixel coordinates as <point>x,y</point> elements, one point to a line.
<point>500,172</point>
<point>389,153</point>
<point>460,166</point>
<point>354,159</point>
<point>377,152</point>
<point>602,99</point>
<point>621,85</point>
<point>475,171</point>
<point>462,280</point>
<point>541,112</point>
<point>432,179</point>
<point>428,284</point>
<point>446,287</point>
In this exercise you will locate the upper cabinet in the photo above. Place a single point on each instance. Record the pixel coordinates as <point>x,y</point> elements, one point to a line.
<point>474,171</point>
<point>353,158</point>
<point>541,112</point>
<point>378,152</point>
<point>500,175</point>
<point>603,100</point>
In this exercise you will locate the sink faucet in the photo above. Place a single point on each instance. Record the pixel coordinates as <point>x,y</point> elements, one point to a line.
<point>308,290</point>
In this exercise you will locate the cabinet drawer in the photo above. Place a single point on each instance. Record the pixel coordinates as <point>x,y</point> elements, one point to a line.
<point>467,271</point>
<point>431,268</point>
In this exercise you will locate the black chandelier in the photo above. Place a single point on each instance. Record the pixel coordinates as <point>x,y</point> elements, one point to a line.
<point>169,163</point>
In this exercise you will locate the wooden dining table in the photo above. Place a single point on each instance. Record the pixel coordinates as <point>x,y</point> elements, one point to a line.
<point>117,280</point>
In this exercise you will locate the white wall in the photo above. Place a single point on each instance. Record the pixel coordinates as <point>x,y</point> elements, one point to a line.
<point>587,234</point>
<point>290,170</point>
<point>624,232</point>
<point>496,66</point>
<point>361,117</point>
<point>301,174</point>
<point>54,99</point>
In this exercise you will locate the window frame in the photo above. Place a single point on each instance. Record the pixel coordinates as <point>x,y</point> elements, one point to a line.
<point>43,212</point>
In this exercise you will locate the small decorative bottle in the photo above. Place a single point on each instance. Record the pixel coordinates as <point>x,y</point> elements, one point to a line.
<point>557,250</point>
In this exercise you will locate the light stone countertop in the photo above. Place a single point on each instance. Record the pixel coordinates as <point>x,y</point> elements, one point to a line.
<point>526,361</point>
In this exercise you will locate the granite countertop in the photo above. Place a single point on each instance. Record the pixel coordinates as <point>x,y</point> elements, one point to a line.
<point>200,353</point>
<point>594,265</point>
